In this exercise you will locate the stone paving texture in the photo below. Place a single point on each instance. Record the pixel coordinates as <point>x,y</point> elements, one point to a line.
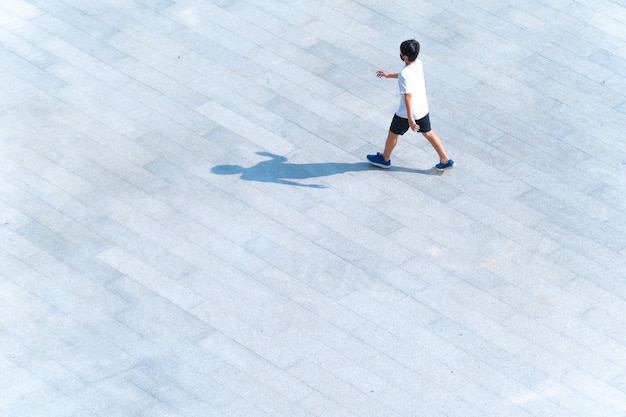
<point>188,226</point>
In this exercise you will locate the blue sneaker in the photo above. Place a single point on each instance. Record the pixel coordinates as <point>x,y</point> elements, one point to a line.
<point>379,161</point>
<point>443,167</point>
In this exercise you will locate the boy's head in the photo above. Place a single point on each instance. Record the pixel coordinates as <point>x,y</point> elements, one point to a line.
<point>410,49</point>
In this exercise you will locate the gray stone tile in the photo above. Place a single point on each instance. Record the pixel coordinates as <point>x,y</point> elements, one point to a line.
<point>78,37</point>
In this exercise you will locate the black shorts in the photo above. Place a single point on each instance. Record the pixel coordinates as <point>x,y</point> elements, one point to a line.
<point>400,125</point>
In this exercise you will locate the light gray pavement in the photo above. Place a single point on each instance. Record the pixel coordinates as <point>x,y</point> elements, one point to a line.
<point>188,226</point>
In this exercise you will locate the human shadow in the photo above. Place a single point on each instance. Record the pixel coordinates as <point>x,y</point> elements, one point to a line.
<point>278,170</point>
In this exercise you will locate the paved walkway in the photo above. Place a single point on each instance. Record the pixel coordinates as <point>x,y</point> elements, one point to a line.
<point>188,227</point>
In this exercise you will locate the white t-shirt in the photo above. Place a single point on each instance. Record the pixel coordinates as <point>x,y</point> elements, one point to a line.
<point>411,80</point>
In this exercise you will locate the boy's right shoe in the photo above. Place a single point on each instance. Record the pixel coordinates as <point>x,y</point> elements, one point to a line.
<point>443,167</point>
<point>379,161</point>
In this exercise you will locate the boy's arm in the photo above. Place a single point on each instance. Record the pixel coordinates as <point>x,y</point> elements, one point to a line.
<point>385,74</point>
<point>408,102</point>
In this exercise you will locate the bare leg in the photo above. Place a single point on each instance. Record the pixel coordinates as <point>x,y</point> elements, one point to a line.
<point>390,144</point>
<point>437,146</point>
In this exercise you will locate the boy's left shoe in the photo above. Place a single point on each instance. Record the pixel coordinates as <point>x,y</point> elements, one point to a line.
<point>379,161</point>
<point>443,167</point>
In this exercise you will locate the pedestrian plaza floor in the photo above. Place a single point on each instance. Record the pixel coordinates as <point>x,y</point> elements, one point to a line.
<point>189,226</point>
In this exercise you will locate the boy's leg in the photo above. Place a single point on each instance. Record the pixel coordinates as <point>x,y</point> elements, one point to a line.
<point>434,140</point>
<point>390,144</point>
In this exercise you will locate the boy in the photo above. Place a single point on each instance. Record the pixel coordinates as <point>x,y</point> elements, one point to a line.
<point>413,102</point>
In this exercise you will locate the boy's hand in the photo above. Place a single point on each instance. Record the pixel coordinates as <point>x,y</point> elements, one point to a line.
<point>414,126</point>
<point>381,73</point>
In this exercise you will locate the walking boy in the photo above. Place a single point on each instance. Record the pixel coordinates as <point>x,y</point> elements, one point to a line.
<point>413,109</point>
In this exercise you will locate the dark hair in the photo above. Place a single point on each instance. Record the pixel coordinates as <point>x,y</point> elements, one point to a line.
<point>411,49</point>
